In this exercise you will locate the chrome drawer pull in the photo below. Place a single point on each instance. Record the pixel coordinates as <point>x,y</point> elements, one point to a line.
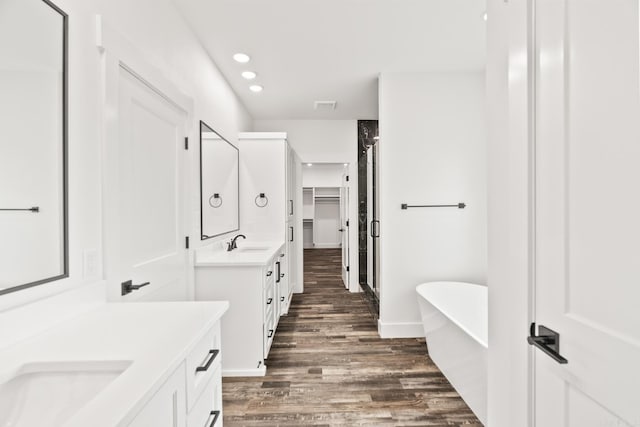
<point>215,415</point>
<point>214,354</point>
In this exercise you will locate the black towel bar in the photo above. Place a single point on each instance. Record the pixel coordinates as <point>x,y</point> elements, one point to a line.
<point>459,206</point>
<point>33,209</point>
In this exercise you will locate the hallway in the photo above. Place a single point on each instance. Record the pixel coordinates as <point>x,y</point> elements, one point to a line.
<point>328,367</point>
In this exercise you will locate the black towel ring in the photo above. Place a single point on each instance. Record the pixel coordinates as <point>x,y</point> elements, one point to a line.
<point>215,205</point>
<point>264,200</point>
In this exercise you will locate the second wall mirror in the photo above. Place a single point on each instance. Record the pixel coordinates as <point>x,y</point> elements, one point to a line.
<point>219,184</point>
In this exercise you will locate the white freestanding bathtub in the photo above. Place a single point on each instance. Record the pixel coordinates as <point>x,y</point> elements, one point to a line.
<point>455,319</point>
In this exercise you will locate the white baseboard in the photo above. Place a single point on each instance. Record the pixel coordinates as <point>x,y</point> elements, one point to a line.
<point>258,372</point>
<point>400,330</point>
<point>326,246</point>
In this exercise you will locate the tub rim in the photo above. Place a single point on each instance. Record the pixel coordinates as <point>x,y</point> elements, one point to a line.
<point>483,342</point>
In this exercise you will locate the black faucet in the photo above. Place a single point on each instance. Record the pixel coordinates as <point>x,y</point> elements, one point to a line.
<point>232,244</point>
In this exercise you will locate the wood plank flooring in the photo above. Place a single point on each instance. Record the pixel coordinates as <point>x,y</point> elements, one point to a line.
<point>329,367</point>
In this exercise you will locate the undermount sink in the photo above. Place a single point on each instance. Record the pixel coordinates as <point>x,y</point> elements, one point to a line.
<point>51,393</point>
<point>252,249</point>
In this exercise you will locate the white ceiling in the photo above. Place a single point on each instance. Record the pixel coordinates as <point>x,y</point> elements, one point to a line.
<point>317,50</point>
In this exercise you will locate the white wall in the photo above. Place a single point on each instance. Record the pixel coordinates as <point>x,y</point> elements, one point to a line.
<point>327,141</point>
<point>155,28</point>
<point>320,141</point>
<point>322,175</point>
<point>432,151</point>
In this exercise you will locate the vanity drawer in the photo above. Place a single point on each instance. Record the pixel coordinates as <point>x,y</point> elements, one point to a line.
<point>208,405</point>
<point>201,364</point>
<point>269,332</point>
<point>270,297</point>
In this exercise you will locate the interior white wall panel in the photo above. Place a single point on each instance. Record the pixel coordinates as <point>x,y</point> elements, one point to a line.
<point>432,151</point>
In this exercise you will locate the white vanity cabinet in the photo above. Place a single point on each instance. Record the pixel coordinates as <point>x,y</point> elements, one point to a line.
<point>270,167</point>
<point>120,364</point>
<point>167,407</point>
<point>249,280</point>
<point>192,395</point>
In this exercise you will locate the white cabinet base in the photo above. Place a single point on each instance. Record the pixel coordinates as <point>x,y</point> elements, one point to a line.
<point>258,372</point>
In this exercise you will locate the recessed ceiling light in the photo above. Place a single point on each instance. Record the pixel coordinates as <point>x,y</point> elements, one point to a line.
<point>309,164</point>
<point>249,75</point>
<point>485,16</point>
<point>346,164</point>
<point>255,88</point>
<point>241,57</point>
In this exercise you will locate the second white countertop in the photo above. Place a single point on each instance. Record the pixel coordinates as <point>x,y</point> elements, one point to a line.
<point>247,254</point>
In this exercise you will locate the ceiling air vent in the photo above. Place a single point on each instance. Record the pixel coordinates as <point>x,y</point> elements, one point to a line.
<point>324,105</point>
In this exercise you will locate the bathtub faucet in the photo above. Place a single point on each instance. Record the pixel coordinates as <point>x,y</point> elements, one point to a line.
<point>232,244</point>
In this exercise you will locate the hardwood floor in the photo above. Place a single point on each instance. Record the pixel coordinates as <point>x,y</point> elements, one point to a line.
<point>329,367</point>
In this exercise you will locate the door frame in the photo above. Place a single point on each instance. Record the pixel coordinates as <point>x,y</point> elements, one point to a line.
<point>511,210</point>
<point>117,52</point>
<point>345,237</point>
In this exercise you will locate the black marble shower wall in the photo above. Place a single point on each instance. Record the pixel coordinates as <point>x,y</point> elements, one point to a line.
<point>367,130</point>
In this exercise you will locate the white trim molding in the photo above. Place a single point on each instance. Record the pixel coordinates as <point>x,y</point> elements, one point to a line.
<point>400,330</point>
<point>258,372</point>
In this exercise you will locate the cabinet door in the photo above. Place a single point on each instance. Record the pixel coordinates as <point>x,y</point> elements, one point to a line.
<point>283,285</point>
<point>289,181</point>
<point>292,262</point>
<point>168,407</point>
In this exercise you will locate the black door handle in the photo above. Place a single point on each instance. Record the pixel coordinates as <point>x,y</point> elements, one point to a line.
<point>375,228</point>
<point>548,341</point>
<point>128,287</point>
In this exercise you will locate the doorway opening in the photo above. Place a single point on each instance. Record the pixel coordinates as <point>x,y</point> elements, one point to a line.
<point>325,202</point>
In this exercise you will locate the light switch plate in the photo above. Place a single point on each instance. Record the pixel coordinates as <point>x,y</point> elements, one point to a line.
<point>91,264</point>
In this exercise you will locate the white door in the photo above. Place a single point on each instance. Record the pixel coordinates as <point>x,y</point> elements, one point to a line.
<point>587,228</point>
<point>344,231</point>
<point>145,176</point>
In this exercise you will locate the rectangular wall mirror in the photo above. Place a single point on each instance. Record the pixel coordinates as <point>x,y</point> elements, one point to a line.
<point>33,144</point>
<point>219,184</point>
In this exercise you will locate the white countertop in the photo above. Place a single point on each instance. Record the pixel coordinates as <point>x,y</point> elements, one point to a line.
<point>156,337</point>
<point>242,256</point>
